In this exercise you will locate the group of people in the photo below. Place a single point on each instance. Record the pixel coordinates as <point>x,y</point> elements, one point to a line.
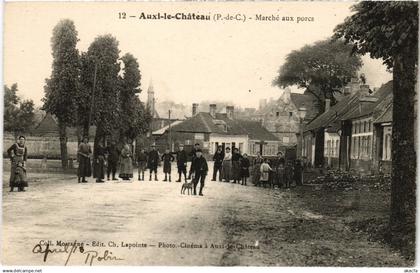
<point>236,166</point>
<point>105,159</point>
<point>278,171</point>
<point>231,165</point>
<point>110,157</point>
<point>197,172</point>
<point>228,166</point>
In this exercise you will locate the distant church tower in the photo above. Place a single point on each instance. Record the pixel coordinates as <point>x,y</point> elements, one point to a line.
<point>151,99</point>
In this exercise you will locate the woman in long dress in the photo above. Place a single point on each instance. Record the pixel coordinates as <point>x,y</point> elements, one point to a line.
<point>18,155</point>
<point>126,163</point>
<point>227,165</point>
<point>84,152</point>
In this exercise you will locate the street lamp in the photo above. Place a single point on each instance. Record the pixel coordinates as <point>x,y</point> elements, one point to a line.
<point>302,113</point>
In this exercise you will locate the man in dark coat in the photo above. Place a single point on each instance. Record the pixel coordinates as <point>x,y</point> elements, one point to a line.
<point>181,162</point>
<point>113,155</point>
<point>218,160</point>
<point>193,156</point>
<point>142,163</point>
<point>167,159</point>
<point>152,162</point>
<point>298,172</point>
<point>200,169</point>
<point>99,162</point>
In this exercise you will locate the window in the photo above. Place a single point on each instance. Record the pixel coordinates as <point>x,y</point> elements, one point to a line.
<point>328,147</point>
<point>290,114</point>
<point>364,127</point>
<point>370,125</point>
<point>337,148</point>
<point>199,136</point>
<point>285,139</point>
<point>387,145</point>
<point>277,114</point>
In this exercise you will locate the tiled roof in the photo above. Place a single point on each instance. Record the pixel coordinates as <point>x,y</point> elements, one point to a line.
<point>49,127</point>
<point>351,107</point>
<point>205,123</point>
<point>328,118</point>
<point>386,115</point>
<point>308,101</point>
<point>162,130</point>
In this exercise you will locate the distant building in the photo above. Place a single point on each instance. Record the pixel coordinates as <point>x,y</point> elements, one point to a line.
<point>280,117</point>
<point>212,129</point>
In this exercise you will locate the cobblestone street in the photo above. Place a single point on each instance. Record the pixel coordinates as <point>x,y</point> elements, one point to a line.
<point>233,225</point>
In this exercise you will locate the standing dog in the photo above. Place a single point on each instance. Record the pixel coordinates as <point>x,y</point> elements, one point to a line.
<point>185,186</point>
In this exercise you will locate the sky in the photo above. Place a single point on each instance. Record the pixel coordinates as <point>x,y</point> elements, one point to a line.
<point>188,61</point>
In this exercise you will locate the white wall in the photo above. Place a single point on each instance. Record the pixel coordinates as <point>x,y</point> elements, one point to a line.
<point>228,140</point>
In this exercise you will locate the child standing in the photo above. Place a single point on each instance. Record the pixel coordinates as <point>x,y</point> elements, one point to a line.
<point>167,159</point>
<point>265,172</point>
<point>244,168</point>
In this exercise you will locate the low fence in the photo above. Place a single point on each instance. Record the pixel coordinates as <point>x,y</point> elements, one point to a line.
<point>42,147</point>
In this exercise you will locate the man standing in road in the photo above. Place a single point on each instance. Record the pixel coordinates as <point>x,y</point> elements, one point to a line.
<point>113,156</point>
<point>152,162</point>
<point>142,163</point>
<point>200,169</point>
<point>193,156</point>
<point>181,162</point>
<point>218,160</point>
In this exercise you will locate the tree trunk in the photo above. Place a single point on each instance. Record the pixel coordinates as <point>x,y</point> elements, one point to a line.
<point>63,144</point>
<point>403,187</point>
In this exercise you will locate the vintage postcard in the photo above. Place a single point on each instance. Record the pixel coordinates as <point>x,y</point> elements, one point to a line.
<point>275,134</point>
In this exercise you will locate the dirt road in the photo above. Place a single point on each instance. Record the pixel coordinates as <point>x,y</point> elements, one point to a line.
<point>231,225</point>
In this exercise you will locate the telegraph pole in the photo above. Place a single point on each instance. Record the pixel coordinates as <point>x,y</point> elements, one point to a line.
<point>92,100</point>
<point>170,133</point>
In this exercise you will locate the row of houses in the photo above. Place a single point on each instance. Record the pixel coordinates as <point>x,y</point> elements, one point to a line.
<point>354,134</point>
<point>211,129</point>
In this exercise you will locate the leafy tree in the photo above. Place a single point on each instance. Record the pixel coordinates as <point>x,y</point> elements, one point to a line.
<point>129,87</point>
<point>103,54</point>
<point>62,87</point>
<point>389,31</point>
<point>139,120</point>
<point>323,69</point>
<point>18,115</point>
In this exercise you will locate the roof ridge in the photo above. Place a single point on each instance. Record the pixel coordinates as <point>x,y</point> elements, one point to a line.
<point>205,122</point>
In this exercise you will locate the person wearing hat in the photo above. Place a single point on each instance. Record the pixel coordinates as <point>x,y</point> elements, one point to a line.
<point>218,160</point>
<point>152,162</point>
<point>113,155</point>
<point>199,168</point>
<point>142,163</point>
<point>181,162</point>
<point>193,155</point>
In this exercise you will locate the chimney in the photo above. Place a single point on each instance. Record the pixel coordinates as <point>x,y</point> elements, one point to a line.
<point>212,110</point>
<point>327,104</point>
<point>194,109</point>
<point>229,112</point>
<point>347,90</point>
<point>364,90</point>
